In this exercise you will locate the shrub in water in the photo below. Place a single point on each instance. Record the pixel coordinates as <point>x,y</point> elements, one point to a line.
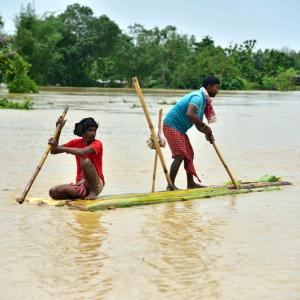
<point>6,104</point>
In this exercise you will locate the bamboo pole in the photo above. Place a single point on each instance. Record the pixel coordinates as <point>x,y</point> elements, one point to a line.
<point>224,164</point>
<point>156,155</point>
<point>43,159</point>
<point>147,115</point>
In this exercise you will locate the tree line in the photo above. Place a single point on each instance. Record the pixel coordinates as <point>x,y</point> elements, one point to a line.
<point>77,48</point>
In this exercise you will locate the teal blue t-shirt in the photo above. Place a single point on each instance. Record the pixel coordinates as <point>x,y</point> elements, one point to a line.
<point>176,118</point>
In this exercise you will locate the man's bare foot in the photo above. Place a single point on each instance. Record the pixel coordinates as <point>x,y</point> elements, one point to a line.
<point>195,185</point>
<point>173,188</point>
<point>91,196</point>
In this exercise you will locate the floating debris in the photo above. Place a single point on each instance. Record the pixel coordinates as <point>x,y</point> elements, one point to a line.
<point>165,102</point>
<point>135,105</point>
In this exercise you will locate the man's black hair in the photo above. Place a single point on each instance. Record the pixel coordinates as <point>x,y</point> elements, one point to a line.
<point>83,125</point>
<point>210,80</point>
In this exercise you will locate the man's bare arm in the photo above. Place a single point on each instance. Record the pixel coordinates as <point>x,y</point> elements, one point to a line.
<point>192,115</point>
<point>200,125</point>
<point>74,151</point>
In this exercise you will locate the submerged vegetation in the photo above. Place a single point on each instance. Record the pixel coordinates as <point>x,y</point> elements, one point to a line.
<point>76,48</point>
<point>25,104</point>
<point>269,178</point>
<point>264,178</point>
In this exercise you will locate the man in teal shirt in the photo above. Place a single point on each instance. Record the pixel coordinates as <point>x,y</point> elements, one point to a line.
<point>187,112</point>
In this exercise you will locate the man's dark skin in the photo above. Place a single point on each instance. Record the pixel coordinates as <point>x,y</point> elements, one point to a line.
<point>191,113</point>
<point>91,179</point>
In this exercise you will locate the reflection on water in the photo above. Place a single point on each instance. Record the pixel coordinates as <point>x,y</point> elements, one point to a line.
<point>90,258</point>
<point>181,242</point>
<point>224,248</point>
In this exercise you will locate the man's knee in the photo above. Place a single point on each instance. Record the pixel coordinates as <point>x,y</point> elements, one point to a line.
<point>85,163</point>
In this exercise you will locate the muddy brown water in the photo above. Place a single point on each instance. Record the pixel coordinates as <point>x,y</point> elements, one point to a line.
<point>234,247</point>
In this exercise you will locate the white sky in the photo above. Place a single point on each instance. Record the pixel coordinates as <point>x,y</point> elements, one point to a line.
<point>273,23</point>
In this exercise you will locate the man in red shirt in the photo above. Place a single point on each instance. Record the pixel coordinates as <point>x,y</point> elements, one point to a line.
<point>88,152</point>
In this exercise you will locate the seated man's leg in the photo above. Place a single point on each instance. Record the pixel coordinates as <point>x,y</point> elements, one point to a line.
<point>93,183</point>
<point>64,191</point>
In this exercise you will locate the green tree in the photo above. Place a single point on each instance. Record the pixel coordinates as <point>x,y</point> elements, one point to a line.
<point>87,40</point>
<point>77,48</point>
<point>283,81</point>
<point>243,58</point>
<point>207,41</point>
<point>69,49</point>
<point>272,60</point>
<point>121,64</point>
<point>158,52</point>
<point>14,69</point>
<point>206,59</point>
<point>37,40</point>
<point>175,50</point>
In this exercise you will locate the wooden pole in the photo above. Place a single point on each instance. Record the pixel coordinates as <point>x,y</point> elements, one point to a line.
<point>147,115</point>
<point>224,164</point>
<point>156,154</point>
<point>43,159</point>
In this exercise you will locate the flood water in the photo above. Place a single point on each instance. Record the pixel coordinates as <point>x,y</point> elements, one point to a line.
<point>233,247</point>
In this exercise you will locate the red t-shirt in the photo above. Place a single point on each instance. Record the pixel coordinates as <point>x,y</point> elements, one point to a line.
<point>96,158</point>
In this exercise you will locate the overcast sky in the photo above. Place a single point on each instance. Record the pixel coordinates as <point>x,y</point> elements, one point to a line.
<point>273,23</point>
